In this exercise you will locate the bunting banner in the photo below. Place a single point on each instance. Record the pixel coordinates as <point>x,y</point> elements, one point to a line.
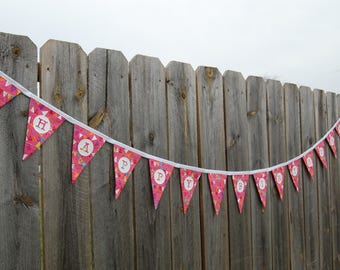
<point>85,145</point>
<point>160,173</point>
<point>217,183</point>
<point>240,183</point>
<point>42,122</point>
<point>7,91</point>
<point>189,180</point>
<point>261,181</point>
<point>44,119</point>
<point>278,175</point>
<point>331,142</point>
<point>124,161</point>
<point>320,151</point>
<point>294,170</point>
<point>308,159</point>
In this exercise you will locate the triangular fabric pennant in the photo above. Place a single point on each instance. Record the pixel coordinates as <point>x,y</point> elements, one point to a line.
<point>240,183</point>
<point>124,163</point>
<point>217,185</point>
<point>261,181</point>
<point>294,170</point>
<point>160,173</point>
<point>337,128</point>
<point>42,122</point>
<point>7,91</point>
<point>331,141</point>
<point>189,180</point>
<point>278,175</point>
<point>308,159</point>
<point>320,150</point>
<point>85,146</point>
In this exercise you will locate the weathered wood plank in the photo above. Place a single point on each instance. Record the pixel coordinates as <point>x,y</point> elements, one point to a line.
<point>293,142</point>
<point>334,172</point>
<point>109,112</point>
<point>237,159</point>
<point>336,200</point>
<point>182,133</point>
<point>258,158</point>
<point>309,186</point>
<point>149,133</point>
<point>322,178</point>
<point>212,155</point>
<point>277,154</point>
<point>19,224</point>
<point>66,211</point>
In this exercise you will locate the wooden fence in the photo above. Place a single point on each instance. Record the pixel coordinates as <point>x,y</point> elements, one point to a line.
<point>201,118</point>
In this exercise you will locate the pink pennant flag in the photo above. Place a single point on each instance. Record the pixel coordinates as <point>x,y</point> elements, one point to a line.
<point>337,128</point>
<point>42,122</point>
<point>217,185</point>
<point>7,91</point>
<point>278,175</point>
<point>308,159</point>
<point>124,163</point>
<point>320,150</point>
<point>189,180</point>
<point>294,169</point>
<point>240,183</point>
<point>261,180</point>
<point>85,145</point>
<point>331,141</point>
<point>160,173</point>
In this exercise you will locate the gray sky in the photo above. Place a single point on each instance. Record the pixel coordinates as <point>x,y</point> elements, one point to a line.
<point>294,41</point>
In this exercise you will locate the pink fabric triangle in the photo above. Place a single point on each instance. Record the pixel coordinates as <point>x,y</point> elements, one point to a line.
<point>160,174</point>
<point>337,128</point>
<point>308,160</point>
<point>7,91</point>
<point>331,141</point>
<point>320,150</point>
<point>278,175</point>
<point>40,126</point>
<point>124,163</point>
<point>261,181</point>
<point>189,180</point>
<point>294,170</point>
<point>217,185</point>
<point>83,150</point>
<point>240,183</point>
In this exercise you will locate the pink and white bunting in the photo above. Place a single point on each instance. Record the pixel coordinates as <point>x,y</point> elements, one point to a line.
<point>85,145</point>
<point>189,180</point>
<point>294,171</point>
<point>278,175</point>
<point>42,122</point>
<point>7,91</point>
<point>261,181</point>
<point>124,162</point>
<point>217,184</point>
<point>320,150</point>
<point>240,183</point>
<point>337,128</point>
<point>160,173</point>
<point>308,159</point>
<point>331,142</point>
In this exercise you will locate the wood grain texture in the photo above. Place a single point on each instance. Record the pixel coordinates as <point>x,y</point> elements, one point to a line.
<point>109,112</point>
<point>293,143</point>
<point>258,158</point>
<point>19,224</point>
<point>182,133</point>
<point>310,191</point>
<point>277,154</point>
<point>322,176</point>
<point>235,102</point>
<point>212,155</point>
<point>66,211</point>
<point>149,127</point>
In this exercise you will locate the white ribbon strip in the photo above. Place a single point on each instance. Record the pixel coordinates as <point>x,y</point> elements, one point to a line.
<point>149,156</point>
